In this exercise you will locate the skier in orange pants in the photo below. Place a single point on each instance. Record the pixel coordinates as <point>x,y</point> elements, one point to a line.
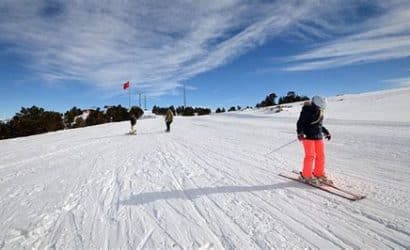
<point>310,131</point>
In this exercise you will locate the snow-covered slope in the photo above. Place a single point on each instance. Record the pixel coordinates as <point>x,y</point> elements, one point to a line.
<point>389,105</point>
<point>212,182</point>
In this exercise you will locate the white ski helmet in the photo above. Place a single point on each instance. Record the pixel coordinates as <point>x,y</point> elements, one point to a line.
<point>320,102</point>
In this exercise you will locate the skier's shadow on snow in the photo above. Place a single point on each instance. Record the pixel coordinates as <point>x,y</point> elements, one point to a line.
<point>152,133</point>
<point>125,134</point>
<point>98,138</point>
<point>190,194</point>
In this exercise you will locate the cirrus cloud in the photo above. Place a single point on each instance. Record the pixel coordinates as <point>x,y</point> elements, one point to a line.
<point>159,44</point>
<point>155,44</point>
<point>383,37</point>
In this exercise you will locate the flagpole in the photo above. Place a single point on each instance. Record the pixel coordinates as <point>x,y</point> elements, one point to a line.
<point>129,99</point>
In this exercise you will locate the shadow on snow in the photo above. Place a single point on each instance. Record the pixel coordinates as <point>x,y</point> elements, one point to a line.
<point>194,193</point>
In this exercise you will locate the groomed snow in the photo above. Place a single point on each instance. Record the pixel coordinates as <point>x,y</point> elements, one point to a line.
<point>212,182</point>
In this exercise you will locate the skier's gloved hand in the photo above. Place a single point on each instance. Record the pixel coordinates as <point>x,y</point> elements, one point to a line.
<point>328,137</point>
<point>301,137</point>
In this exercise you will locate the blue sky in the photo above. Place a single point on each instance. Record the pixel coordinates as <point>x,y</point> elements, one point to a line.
<point>60,54</point>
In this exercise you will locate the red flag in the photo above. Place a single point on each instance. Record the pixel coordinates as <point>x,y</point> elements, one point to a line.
<point>126,85</point>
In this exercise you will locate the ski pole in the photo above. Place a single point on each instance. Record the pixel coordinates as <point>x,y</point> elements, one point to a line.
<point>284,145</point>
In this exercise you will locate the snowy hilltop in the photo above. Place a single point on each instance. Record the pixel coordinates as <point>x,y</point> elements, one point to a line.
<point>212,182</point>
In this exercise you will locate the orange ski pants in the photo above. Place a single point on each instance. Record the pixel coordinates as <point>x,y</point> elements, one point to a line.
<point>314,153</point>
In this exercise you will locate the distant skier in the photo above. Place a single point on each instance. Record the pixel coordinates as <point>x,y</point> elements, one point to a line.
<point>310,132</point>
<point>168,119</point>
<point>133,120</point>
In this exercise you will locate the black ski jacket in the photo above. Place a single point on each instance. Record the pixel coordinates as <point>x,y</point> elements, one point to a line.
<point>133,120</point>
<point>310,123</point>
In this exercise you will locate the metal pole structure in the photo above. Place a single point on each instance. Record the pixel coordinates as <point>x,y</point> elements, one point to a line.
<point>129,98</point>
<point>184,96</point>
<point>139,101</point>
<point>145,102</point>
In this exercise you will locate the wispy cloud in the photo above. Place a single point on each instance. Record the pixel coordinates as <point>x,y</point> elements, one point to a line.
<point>399,82</point>
<point>383,37</point>
<point>155,43</point>
<point>160,44</point>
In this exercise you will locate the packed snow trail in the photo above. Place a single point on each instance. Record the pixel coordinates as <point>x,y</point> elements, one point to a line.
<point>210,182</point>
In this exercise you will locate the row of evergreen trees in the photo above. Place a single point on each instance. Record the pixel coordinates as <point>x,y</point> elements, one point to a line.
<point>292,97</point>
<point>289,98</point>
<point>35,120</point>
<point>30,121</point>
<point>181,110</point>
<point>233,108</point>
<point>270,101</point>
<point>97,116</point>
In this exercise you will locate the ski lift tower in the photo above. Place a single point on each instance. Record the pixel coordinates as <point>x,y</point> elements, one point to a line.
<point>139,98</point>
<point>184,96</point>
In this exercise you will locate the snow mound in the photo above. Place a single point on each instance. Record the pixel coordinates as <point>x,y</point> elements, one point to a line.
<point>386,106</point>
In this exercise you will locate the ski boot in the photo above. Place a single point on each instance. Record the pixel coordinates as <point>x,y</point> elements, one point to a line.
<point>323,179</point>
<point>310,180</point>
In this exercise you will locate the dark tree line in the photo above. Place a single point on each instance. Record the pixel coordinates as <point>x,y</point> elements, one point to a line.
<point>292,97</point>
<point>233,108</point>
<point>117,113</point>
<point>70,115</point>
<point>289,98</point>
<point>162,111</point>
<point>30,121</point>
<point>35,120</point>
<point>181,110</point>
<point>202,111</point>
<point>269,101</point>
<point>220,110</point>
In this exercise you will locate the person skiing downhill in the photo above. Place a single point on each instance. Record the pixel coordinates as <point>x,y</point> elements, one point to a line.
<point>168,119</point>
<point>133,120</point>
<point>310,132</point>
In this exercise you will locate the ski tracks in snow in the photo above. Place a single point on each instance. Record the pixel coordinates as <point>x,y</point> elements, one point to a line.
<point>208,183</point>
<point>334,226</point>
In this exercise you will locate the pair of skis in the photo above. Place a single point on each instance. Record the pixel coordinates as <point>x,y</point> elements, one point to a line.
<point>329,188</point>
